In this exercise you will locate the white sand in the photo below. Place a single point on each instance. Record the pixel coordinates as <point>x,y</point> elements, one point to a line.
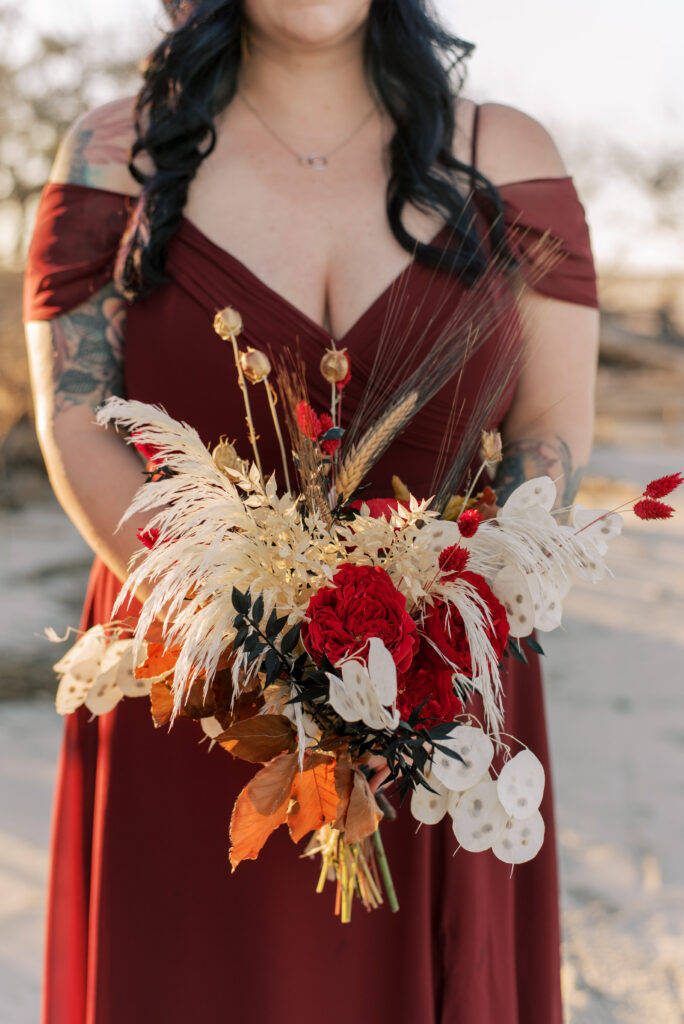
<point>615,691</point>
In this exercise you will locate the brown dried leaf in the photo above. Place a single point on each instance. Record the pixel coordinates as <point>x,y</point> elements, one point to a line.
<point>195,704</point>
<point>344,780</point>
<point>161,703</point>
<point>315,796</point>
<point>363,815</point>
<point>273,783</point>
<point>260,738</point>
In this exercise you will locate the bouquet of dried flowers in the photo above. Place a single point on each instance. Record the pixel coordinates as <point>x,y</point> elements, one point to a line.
<point>320,635</point>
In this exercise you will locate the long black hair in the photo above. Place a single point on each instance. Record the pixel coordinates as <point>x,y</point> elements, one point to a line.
<point>416,69</point>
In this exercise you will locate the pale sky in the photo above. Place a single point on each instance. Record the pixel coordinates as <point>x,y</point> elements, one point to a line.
<point>588,69</point>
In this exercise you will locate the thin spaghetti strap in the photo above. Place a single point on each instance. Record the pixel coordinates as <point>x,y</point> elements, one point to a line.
<point>473,144</point>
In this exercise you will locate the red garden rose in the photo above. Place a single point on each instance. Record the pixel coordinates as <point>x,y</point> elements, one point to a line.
<point>362,602</point>
<point>425,682</point>
<point>444,626</point>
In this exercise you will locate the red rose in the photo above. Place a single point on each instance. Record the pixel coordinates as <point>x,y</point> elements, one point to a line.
<point>444,626</point>
<point>424,682</point>
<point>148,537</point>
<point>361,602</point>
<point>378,508</point>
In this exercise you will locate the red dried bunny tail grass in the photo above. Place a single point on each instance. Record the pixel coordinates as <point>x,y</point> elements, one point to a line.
<point>649,508</point>
<point>663,486</point>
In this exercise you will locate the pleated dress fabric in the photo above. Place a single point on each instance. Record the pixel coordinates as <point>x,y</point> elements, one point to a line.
<point>146,923</point>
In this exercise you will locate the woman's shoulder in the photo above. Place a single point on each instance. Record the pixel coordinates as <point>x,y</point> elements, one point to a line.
<point>96,149</point>
<point>511,146</point>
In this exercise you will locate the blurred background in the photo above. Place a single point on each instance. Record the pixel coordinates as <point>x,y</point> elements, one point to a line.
<point>608,81</point>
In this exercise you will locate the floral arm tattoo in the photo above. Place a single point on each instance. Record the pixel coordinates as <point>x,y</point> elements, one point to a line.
<point>524,460</point>
<point>87,346</point>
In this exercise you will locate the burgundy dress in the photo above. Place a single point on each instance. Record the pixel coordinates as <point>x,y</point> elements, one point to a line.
<point>146,923</point>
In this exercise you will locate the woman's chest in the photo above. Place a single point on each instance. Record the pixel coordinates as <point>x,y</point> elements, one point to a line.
<point>318,238</point>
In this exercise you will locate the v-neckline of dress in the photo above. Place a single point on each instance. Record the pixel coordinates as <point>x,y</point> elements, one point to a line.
<point>299,314</point>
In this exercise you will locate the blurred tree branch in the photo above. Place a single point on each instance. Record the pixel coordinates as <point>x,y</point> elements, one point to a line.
<point>46,81</point>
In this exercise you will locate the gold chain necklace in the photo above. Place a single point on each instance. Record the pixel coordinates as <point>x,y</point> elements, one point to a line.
<point>314,161</point>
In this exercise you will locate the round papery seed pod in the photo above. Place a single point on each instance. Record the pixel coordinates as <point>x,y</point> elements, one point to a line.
<point>520,840</point>
<point>427,807</point>
<point>475,751</point>
<point>479,820</point>
<point>227,459</point>
<point>335,365</point>
<point>256,365</point>
<point>227,323</point>
<point>521,785</point>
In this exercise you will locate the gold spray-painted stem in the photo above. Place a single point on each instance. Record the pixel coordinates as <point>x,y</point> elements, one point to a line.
<point>229,333</point>
<point>272,406</point>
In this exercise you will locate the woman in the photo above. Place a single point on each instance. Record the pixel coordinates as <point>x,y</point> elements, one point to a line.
<point>340,149</point>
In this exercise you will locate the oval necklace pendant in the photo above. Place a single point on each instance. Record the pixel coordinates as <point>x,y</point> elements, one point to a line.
<point>316,161</point>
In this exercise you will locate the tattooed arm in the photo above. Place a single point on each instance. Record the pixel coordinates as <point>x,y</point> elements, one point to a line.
<point>550,425</point>
<point>76,362</point>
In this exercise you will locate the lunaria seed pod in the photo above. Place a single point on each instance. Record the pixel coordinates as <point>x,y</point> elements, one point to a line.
<point>335,365</point>
<point>227,323</point>
<point>256,365</point>
<point>227,459</point>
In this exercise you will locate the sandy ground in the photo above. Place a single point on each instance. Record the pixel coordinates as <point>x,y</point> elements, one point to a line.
<point>615,691</point>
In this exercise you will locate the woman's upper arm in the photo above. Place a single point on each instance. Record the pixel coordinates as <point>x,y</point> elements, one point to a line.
<point>549,426</point>
<point>76,358</point>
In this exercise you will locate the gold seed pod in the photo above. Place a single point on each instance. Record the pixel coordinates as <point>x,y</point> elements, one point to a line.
<point>335,365</point>
<point>228,461</point>
<point>256,365</point>
<point>227,323</point>
<point>491,448</point>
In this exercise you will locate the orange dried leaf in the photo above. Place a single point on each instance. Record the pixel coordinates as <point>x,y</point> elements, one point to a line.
<point>315,796</point>
<point>273,783</point>
<point>363,815</point>
<point>260,738</point>
<point>158,662</point>
<point>249,828</point>
<point>161,701</point>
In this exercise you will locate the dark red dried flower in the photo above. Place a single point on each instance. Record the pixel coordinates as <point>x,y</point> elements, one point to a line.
<point>148,537</point>
<point>341,384</point>
<point>308,421</point>
<point>648,508</point>
<point>663,486</point>
<point>469,521</point>
<point>330,446</point>
<point>452,561</point>
<point>148,451</point>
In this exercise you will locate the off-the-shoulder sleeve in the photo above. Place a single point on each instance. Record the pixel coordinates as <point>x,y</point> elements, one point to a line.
<point>73,248</point>
<point>551,207</point>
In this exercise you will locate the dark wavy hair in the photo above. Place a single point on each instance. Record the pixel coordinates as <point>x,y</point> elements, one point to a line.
<point>416,69</point>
